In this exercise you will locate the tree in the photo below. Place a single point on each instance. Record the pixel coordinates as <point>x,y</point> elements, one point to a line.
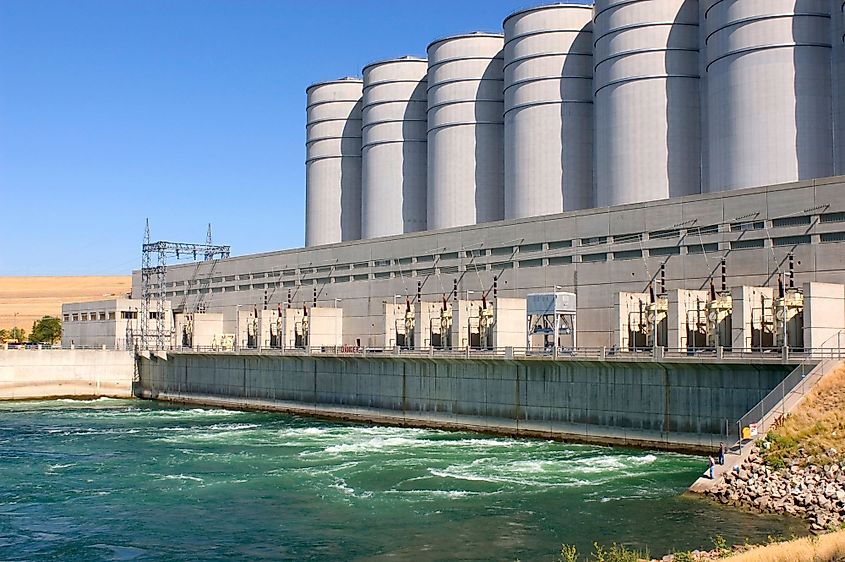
<point>4,335</point>
<point>46,330</point>
<point>17,334</point>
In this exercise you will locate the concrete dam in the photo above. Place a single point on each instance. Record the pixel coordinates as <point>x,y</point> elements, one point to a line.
<point>680,404</point>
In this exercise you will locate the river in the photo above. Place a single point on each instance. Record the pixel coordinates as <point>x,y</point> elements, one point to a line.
<point>133,480</point>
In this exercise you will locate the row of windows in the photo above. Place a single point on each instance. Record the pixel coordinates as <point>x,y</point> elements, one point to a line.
<point>410,265</point>
<point>111,315</point>
<point>88,316</point>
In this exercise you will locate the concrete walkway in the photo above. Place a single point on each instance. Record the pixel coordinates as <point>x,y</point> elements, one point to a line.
<point>736,456</point>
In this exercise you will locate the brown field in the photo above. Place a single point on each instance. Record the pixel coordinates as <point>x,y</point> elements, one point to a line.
<point>26,299</point>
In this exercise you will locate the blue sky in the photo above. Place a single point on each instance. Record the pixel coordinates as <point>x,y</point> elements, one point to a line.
<point>183,111</point>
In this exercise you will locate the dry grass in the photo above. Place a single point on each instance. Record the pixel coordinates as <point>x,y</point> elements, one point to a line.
<point>824,548</point>
<point>816,426</point>
<point>26,299</point>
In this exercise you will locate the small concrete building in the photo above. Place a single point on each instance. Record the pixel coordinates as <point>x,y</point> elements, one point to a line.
<point>113,323</point>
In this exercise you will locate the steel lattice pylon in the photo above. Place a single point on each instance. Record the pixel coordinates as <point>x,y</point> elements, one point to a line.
<point>158,274</point>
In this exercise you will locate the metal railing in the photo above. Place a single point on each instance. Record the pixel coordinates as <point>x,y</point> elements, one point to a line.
<point>778,403</point>
<point>784,355</point>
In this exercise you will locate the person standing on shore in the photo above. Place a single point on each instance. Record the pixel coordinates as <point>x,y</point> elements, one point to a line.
<point>722,451</point>
<point>712,470</point>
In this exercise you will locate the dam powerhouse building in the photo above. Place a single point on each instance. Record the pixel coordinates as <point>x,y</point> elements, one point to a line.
<point>671,169</point>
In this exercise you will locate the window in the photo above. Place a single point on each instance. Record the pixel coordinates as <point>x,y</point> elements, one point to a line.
<point>475,253</point>
<point>531,263</point>
<point>594,241</point>
<point>449,256</point>
<point>404,261</point>
<point>628,255</point>
<point>593,258</point>
<point>744,226</point>
<point>449,270</point>
<point>505,251</point>
<point>364,277</point>
<point>502,266</point>
<point>627,238</point>
<point>667,251</point>
<point>382,275</point>
<point>747,244</point>
<point>791,240</point>
<point>425,259</point>
<point>66,317</point>
<point>560,244</point>
<point>659,234</point>
<point>832,217</point>
<point>102,316</point>
<point>111,315</point>
<point>561,260</point>
<point>791,221</point>
<point>706,248</point>
<point>703,230</point>
<point>833,237</point>
<point>361,265</point>
<point>382,263</point>
<point>528,248</point>
<point>74,317</point>
<point>128,314</point>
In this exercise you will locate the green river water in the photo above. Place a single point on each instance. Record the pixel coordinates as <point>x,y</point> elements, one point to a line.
<point>133,480</point>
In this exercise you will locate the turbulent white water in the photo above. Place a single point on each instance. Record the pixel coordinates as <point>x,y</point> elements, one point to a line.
<point>110,479</point>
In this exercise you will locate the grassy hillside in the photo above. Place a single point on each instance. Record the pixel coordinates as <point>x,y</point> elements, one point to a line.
<point>816,428</point>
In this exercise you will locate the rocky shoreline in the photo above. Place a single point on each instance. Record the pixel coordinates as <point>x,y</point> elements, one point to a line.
<point>810,488</point>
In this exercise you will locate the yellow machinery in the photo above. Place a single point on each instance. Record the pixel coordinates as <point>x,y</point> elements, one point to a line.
<point>300,330</point>
<point>789,319</point>
<point>719,325</point>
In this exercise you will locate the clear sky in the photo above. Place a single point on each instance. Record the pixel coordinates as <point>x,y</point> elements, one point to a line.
<point>186,112</point>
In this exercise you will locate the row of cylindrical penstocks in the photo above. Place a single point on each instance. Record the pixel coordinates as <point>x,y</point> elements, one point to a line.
<point>576,107</point>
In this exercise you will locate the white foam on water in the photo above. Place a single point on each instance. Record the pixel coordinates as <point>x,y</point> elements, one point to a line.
<point>375,444</point>
<point>340,484</point>
<point>55,467</point>
<point>181,477</point>
<point>232,426</point>
<point>91,401</point>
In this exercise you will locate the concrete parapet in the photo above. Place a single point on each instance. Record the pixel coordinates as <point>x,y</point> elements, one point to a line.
<point>33,374</point>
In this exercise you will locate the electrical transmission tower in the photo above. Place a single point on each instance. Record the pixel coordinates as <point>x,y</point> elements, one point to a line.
<point>154,277</point>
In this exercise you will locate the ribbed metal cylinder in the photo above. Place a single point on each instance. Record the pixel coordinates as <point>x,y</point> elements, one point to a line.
<point>394,154</point>
<point>769,91</point>
<point>333,162</point>
<point>646,79</point>
<point>839,85</point>
<point>548,89</point>
<point>465,130</point>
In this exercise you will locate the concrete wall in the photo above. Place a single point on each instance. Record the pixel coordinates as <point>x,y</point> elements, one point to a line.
<point>28,374</point>
<point>669,405</point>
<point>824,315</point>
<point>511,325</point>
